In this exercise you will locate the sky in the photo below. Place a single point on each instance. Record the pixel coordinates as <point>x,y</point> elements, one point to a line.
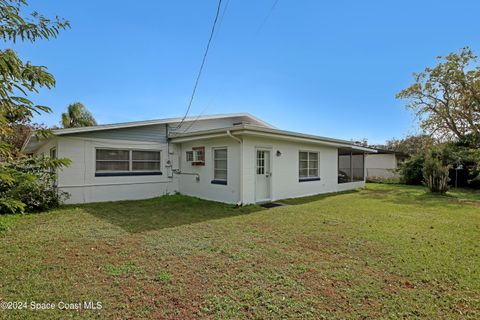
<point>330,68</point>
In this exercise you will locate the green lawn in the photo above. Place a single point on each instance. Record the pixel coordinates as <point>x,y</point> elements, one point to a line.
<point>387,251</point>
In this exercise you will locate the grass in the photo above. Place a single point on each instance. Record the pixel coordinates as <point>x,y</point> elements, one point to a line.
<point>386,251</point>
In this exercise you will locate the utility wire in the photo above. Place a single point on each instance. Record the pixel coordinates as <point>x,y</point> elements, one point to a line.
<point>202,65</point>
<point>214,37</point>
<point>198,117</point>
<point>223,15</point>
<point>268,16</point>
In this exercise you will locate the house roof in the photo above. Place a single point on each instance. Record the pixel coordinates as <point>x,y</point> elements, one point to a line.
<point>121,125</point>
<point>254,126</point>
<point>385,151</point>
<point>248,129</point>
<point>33,142</point>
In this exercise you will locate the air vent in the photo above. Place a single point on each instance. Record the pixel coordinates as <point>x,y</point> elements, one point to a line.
<point>241,123</point>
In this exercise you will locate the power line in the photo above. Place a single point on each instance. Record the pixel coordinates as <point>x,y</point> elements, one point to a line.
<point>225,7</point>
<point>268,16</point>
<point>223,14</point>
<point>198,117</point>
<point>202,65</point>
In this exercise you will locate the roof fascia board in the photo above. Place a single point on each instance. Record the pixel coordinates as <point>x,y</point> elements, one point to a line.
<point>153,122</point>
<point>249,132</point>
<point>304,139</point>
<point>198,137</point>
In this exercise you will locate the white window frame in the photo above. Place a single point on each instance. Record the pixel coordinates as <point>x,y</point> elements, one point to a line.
<point>308,177</point>
<point>215,169</point>
<point>198,156</point>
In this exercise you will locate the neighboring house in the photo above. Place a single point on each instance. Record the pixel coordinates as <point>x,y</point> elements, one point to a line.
<point>233,158</point>
<point>383,164</point>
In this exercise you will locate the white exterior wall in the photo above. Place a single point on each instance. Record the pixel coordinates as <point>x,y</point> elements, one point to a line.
<point>285,180</point>
<point>45,149</point>
<point>80,182</point>
<point>204,188</point>
<point>381,165</point>
<point>79,178</point>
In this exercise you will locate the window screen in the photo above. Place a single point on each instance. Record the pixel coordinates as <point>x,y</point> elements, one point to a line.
<point>220,164</point>
<point>351,166</point>
<point>127,160</point>
<point>112,160</point>
<point>145,160</point>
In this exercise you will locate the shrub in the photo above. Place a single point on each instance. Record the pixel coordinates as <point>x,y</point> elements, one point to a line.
<point>451,155</point>
<point>435,173</point>
<point>411,170</point>
<point>29,184</point>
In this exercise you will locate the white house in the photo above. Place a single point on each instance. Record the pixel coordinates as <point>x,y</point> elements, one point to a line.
<point>383,164</point>
<point>233,158</point>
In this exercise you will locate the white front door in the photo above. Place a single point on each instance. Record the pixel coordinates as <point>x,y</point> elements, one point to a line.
<point>262,176</point>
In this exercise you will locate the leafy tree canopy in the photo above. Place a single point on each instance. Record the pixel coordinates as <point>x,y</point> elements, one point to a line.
<point>77,115</point>
<point>19,78</point>
<point>446,98</point>
<point>411,145</point>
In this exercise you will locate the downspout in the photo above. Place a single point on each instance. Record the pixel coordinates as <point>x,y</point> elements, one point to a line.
<point>240,141</point>
<point>168,163</point>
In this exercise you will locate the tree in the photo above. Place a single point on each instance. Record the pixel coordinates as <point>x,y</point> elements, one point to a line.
<point>411,170</point>
<point>19,133</point>
<point>446,98</point>
<point>77,115</point>
<point>18,78</point>
<point>410,145</point>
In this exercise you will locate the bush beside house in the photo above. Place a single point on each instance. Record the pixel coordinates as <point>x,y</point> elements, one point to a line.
<point>29,185</point>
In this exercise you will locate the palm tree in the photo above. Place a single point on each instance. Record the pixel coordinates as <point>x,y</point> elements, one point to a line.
<point>77,115</point>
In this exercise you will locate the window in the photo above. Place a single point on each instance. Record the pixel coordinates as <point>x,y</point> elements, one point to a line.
<point>145,160</point>
<point>260,162</point>
<point>115,162</point>
<point>189,156</point>
<point>220,171</point>
<point>198,156</point>
<point>53,153</point>
<point>308,166</point>
<point>351,166</point>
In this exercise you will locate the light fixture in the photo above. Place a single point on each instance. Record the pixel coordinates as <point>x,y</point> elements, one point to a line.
<point>279,153</point>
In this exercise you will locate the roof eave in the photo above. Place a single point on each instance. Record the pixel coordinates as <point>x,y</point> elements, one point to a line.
<point>155,122</point>
<point>277,134</point>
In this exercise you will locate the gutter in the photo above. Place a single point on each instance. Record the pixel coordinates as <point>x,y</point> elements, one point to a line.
<point>240,141</point>
<point>233,137</point>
